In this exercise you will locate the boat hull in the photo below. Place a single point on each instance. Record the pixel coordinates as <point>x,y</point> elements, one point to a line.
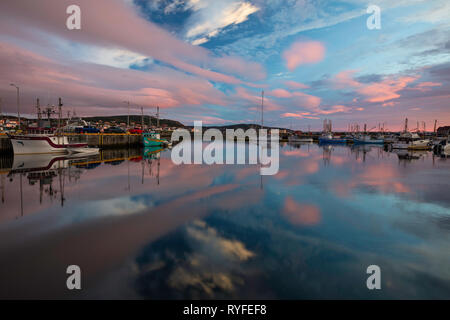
<point>334,141</point>
<point>415,145</point>
<point>446,149</point>
<point>42,144</point>
<point>358,141</point>
<point>153,140</point>
<point>301,140</point>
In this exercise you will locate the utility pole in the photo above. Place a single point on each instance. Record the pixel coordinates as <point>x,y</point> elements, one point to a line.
<point>435,124</point>
<point>142,118</point>
<point>18,102</point>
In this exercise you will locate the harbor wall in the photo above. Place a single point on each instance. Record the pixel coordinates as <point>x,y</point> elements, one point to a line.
<point>5,144</point>
<point>108,140</point>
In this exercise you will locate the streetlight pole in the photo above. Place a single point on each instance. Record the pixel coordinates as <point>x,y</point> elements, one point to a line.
<point>18,102</point>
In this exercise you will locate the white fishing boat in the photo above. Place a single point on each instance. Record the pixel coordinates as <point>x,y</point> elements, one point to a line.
<point>411,141</point>
<point>444,147</point>
<point>446,150</point>
<point>40,143</point>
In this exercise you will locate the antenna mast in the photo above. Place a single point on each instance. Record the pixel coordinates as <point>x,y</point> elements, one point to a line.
<point>157,117</point>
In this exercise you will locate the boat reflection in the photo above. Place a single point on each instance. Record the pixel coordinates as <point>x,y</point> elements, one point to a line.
<point>409,155</point>
<point>51,173</point>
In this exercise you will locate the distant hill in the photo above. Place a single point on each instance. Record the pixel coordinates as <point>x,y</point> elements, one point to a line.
<point>117,119</point>
<point>243,126</point>
<point>134,118</point>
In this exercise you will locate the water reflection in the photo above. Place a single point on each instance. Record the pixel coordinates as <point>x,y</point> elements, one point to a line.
<point>141,227</point>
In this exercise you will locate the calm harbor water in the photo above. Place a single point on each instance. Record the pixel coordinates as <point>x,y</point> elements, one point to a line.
<point>141,227</point>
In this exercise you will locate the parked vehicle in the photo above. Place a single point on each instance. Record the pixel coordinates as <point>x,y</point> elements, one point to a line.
<point>135,131</point>
<point>87,129</point>
<point>114,130</point>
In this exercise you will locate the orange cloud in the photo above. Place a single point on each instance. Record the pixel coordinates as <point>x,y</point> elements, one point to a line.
<point>302,53</point>
<point>386,90</point>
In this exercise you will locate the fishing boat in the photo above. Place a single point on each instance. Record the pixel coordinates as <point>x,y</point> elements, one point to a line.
<point>328,138</point>
<point>446,149</point>
<point>152,152</point>
<point>153,139</point>
<point>367,139</point>
<point>443,147</point>
<point>411,141</point>
<point>40,143</point>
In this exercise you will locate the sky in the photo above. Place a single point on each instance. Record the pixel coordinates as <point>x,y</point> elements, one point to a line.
<point>204,60</point>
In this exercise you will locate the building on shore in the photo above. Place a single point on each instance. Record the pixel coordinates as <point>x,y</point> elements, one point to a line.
<point>443,131</point>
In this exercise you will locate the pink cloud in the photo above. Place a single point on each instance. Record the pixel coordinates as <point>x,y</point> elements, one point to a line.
<point>254,98</point>
<point>97,86</point>
<point>301,115</point>
<point>301,213</point>
<point>386,90</point>
<point>426,86</point>
<point>375,92</point>
<point>344,80</point>
<point>118,24</point>
<point>304,53</point>
<point>306,100</point>
<point>295,85</point>
<point>335,109</point>
<point>279,93</point>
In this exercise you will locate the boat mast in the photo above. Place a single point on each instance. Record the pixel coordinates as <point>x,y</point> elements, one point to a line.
<point>60,104</point>
<point>157,117</point>
<point>262,109</point>
<point>39,113</point>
